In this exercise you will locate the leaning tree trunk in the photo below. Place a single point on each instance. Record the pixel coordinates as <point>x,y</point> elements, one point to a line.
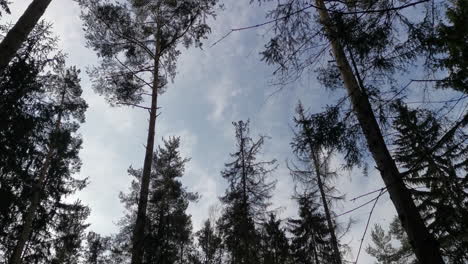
<point>36,198</point>
<point>20,31</point>
<point>424,244</point>
<point>139,231</point>
<point>331,226</point>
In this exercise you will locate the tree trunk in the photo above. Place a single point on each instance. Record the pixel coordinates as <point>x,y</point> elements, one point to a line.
<point>139,231</point>
<point>331,226</point>
<point>425,246</point>
<point>20,31</point>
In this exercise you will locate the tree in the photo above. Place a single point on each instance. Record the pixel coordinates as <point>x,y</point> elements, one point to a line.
<point>310,242</point>
<point>70,233</point>
<point>246,197</point>
<point>137,42</point>
<point>436,174</point>
<point>17,35</point>
<point>168,235</point>
<point>362,37</point>
<point>96,249</point>
<point>41,112</point>
<point>210,244</point>
<point>314,142</point>
<point>68,105</point>
<point>384,251</point>
<point>451,44</point>
<point>274,243</point>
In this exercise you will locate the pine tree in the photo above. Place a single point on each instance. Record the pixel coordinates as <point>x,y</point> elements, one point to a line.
<point>246,197</point>
<point>168,235</point>
<point>311,241</point>
<point>17,35</point>
<point>137,42</point>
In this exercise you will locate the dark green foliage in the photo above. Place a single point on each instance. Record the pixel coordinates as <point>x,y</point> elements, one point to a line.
<point>310,242</point>
<point>384,251</point>
<point>246,198</point>
<point>274,243</point>
<point>169,228</point>
<point>436,164</point>
<point>40,111</point>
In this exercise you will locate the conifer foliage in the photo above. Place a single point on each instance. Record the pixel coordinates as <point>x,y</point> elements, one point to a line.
<point>168,231</point>
<point>246,198</point>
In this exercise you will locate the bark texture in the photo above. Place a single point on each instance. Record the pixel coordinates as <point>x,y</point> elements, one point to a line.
<point>424,244</point>
<point>139,231</point>
<point>20,31</point>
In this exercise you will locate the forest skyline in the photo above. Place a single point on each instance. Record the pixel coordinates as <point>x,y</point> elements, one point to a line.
<point>214,87</point>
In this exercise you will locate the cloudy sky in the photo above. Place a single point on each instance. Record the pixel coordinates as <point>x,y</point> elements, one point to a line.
<point>213,87</point>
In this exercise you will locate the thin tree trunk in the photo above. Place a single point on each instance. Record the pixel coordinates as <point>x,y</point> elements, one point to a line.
<point>331,226</point>
<point>36,197</point>
<point>20,31</point>
<point>139,231</point>
<point>425,246</point>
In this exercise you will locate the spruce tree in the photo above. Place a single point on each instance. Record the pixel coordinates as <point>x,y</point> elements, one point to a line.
<point>41,154</point>
<point>310,236</point>
<point>384,250</point>
<point>436,173</point>
<point>137,42</point>
<point>274,243</point>
<point>318,136</point>
<point>246,198</point>
<point>168,234</point>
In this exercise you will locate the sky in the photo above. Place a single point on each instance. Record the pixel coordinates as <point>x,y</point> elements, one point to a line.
<point>214,87</point>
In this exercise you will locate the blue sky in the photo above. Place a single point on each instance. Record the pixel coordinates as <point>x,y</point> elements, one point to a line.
<point>213,87</point>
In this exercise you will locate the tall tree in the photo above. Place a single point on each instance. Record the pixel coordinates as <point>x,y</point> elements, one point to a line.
<point>168,234</point>
<point>137,42</point>
<point>436,174</point>
<point>362,38</point>
<point>310,236</point>
<point>315,142</point>
<point>41,112</point>
<point>68,104</point>
<point>246,198</point>
<point>17,35</point>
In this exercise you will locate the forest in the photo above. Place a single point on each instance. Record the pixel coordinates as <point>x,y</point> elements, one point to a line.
<point>233,131</point>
